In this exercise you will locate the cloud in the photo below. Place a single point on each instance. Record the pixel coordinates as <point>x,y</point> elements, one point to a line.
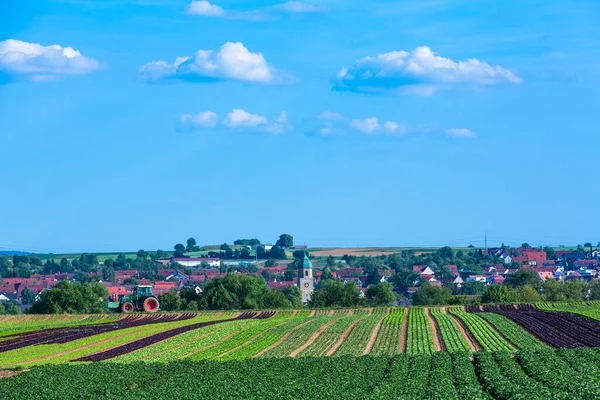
<point>461,133</point>
<point>231,62</point>
<point>34,62</point>
<point>367,125</point>
<point>330,116</point>
<point>206,9</point>
<point>420,72</point>
<point>236,119</point>
<point>202,120</point>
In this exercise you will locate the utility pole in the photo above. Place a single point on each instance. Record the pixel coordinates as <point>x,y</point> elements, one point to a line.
<point>486,242</point>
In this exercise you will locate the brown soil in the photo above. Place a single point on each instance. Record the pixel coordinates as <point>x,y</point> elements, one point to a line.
<point>374,334</point>
<point>312,338</point>
<point>343,338</point>
<point>8,374</point>
<point>331,313</point>
<point>438,343</point>
<point>402,342</point>
<point>339,252</point>
<point>279,341</point>
<point>312,313</point>
<point>466,334</point>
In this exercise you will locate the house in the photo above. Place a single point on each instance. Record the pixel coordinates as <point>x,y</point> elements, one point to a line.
<point>298,247</point>
<point>355,279</point>
<point>423,270</point>
<point>544,275</point>
<point>477,278</point>
<point>3,298</point>
<point>197,261</point>
<point>280,285</point>
<point>412,290</point>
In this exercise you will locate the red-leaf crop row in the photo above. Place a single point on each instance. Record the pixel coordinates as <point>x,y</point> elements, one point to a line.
<point>64,335</point>
<point>149,340</point>
<point>558,329</point>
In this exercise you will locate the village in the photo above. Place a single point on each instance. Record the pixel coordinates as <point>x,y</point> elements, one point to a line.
<point>176,273</point>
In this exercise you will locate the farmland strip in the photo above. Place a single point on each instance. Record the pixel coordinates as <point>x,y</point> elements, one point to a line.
<point>311,339</point>
<point>435,331</point>
<point>374,334</point>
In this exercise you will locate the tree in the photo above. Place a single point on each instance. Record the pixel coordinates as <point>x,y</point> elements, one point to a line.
<point>405,279</point>
<point>71,298</point>
<point>191,245</point>
<point>235,292</point>
<point>428,295</point>
<point>27,296</point>
<point>524,277</point>
<point>108,274</point>
<point>10,307</point>
<point>553,290</point>
<point>472,288</point>
<point>576,290</point>
<point>285,241</point>
<point>589,245</point>
<point>525,245</point>
<point>595,290</point>
<point>446,252</point>
<point>275,299</point>
<point>294,295</point>
<point>142,254</point>
<point>169,301</point>
<point>179,251</point>
<point>299,254</point>
<point>277,253</point>
<point>270,263</point>
<point>330,262</point>
<point>326,274</point>
<point>335,294</point>
<point>373,277</point>
<point>526,294</point>
<point>381,295</point>
<point>497,294</point>
<point>550,253</point>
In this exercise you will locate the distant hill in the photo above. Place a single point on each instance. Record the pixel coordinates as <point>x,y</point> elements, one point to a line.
<point>13,252</point>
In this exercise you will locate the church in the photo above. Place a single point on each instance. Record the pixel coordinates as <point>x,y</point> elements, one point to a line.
<point>305,279</point>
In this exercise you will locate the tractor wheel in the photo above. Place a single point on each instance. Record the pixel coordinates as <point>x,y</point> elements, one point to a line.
<point>151,304</point>
<point>127,307</point>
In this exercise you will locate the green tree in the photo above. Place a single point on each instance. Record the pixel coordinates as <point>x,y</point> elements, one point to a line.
<point>27,296</point>
<point>446,252</point>
<point>553,290</point>
<point>405,279</point>
<point>473,288</point>
<point>381,295</point>
<point>108,274</point>
<point>550,253</point>
<point>277,253</point>
<point>497,294</point>
<point>576,290</point>
<point>595,290</point>
<point>10,307</point>
<point>285,241</point>
<point>169,301</point>
<point>234,292</point>
<point>275,299</point>
<point>294,295</point>
<point>270,263</point>
<point>428,295</point>
<point>179,251</point>
<point>524,277</point>
<point>327,274</point>
<point>589,245</point>
<point>191,245</point>
<point>130,281</point>
<point>526,294</point>
<point>525,245</point>
<point>71,298</point>
<point>330,262</point>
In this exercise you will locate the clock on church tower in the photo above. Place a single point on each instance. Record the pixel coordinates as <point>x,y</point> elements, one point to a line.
<point>305,279</point>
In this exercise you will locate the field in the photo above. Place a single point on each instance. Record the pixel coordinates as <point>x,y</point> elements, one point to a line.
<point>450,345</point>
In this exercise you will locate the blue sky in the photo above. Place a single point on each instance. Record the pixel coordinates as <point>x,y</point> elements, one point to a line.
<point>464,118</point>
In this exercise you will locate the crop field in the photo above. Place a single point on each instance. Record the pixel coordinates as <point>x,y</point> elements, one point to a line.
<point>27,341</point>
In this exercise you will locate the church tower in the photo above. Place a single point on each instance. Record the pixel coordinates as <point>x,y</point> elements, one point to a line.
<point>305,279</point>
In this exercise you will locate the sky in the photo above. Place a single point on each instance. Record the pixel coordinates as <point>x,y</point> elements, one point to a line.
<point>128,124</point>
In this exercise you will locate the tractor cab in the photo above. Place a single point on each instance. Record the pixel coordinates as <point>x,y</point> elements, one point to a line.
<point>142,291</point>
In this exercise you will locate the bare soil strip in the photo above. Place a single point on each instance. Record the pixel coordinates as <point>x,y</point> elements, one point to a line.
<point>277,343</point>
<point>8,374</point>
<point>331,313</point>
<point>250,340</point>
<point>402,341</point>
<point>312,313</point>
<point>374,334</point>
<point>466,333</point>
<point>312,338</point>
<point>342,339</point>
<point>438,343</point>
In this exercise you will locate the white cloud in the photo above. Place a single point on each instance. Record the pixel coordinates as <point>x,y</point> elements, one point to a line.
<point>202,120</point>
<point>233,61</point>
<point>239,118</point>
<point>206,9</point>
<point>420,72</point>
<point>461,133</point>
<point>367,125</point>
<point>35,62</point>
<point>299,7</point>
<point>330,116</point>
